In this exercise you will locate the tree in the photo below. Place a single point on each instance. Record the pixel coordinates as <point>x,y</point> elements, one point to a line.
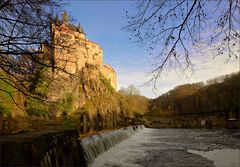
<point>130,90</point>
<point>215,98</point>
<point>174,28</point>
<point>123,90</point>
<point>24,26</point>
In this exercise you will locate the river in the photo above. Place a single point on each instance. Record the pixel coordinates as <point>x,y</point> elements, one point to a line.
<point>175,148</point>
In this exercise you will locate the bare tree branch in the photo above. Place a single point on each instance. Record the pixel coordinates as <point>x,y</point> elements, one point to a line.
<point>173,28</point>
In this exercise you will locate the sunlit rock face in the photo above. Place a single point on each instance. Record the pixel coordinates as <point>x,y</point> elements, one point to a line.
<point>91,94</point>
<point>109,73</point>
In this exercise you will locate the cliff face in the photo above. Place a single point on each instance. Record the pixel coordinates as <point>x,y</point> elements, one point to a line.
<point>109,73</point>
<point>87,93</point>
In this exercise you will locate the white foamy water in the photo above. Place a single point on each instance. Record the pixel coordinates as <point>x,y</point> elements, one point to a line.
<point>221,157</point>
<point>126,152</point>
<point>173,148</point>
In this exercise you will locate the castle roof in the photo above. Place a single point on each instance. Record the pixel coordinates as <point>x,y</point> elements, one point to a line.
<point>65,20</point>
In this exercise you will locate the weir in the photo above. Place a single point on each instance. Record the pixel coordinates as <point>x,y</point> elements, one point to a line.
<point>58,147</point>
<point>97,144</point>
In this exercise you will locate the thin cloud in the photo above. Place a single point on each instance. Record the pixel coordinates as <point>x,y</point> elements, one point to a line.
<point>205,69</point>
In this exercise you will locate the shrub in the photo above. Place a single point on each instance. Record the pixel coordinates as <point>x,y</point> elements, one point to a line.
<point>106,83</point>
<point>6,101</point>
<point>65,105</point>
<point>37,108</point>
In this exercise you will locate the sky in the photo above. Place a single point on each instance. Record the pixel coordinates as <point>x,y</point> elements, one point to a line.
<point>103,23</point>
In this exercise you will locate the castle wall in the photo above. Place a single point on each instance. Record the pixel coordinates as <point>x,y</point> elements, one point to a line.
<point>73,52</point>
<point>94,54</point>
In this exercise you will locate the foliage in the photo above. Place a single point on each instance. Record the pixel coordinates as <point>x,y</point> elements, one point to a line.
<point>133,105</point>
<point>217,97</point>
<point>24,27</point>
<point>66,104</point>
<point>36,107</point>
<point>130,90</point>
<point>40,82</point>
<point>7,93</point>
<point>5,111</point>
<point>106,83</point>
<point>38,90</point>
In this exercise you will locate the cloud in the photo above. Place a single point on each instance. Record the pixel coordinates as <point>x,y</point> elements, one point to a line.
<point>205,68</point>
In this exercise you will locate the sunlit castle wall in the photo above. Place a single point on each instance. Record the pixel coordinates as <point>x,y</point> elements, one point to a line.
<point>72,50</point>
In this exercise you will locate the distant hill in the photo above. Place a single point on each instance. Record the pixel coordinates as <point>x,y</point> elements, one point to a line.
<point>219,97</point>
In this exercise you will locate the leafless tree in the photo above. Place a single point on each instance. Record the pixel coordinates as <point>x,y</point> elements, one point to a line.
<point>24,26</point>
<point>130,90</point>
<point>172,29</point>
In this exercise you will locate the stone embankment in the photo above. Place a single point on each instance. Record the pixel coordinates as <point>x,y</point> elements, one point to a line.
<point>58,147</point>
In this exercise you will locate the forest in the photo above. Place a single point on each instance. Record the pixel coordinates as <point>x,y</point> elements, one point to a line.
<point>218,95</point>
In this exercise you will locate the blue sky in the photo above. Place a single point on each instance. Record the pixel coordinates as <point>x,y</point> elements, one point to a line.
<point>103,21</point>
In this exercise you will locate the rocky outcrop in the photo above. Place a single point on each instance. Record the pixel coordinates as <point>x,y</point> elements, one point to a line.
<point>110,74</point>
<point>87,94</point>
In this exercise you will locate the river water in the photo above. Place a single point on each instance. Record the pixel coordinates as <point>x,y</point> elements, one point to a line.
<point>175,148</point>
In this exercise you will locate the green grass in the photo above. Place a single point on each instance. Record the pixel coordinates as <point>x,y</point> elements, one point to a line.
<point>106,83</point>
<point>6,101</point>
<point>65,105</point>
<point>37,107</point>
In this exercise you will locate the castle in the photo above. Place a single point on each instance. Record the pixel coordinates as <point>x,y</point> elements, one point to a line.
<point>73,50</point>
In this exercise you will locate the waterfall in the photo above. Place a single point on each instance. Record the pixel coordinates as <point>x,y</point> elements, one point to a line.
<point>95,145</point>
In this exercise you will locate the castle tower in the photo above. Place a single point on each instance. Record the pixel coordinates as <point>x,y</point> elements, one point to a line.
<point>57,19</point>
<point>65,18</point>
